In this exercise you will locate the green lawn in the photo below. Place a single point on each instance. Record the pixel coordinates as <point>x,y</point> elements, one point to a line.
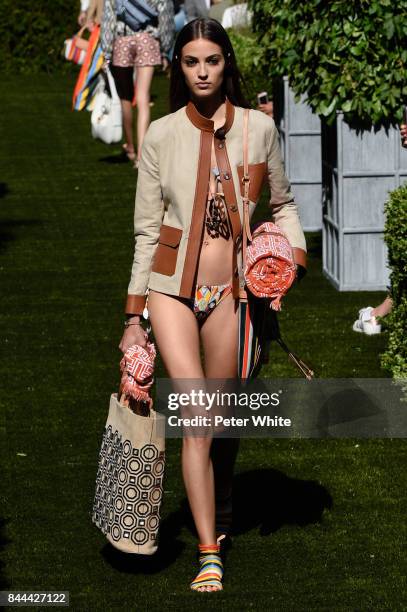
<point>66,251</point>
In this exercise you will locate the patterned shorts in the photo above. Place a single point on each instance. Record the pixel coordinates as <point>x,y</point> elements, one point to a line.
<point>139,49</point>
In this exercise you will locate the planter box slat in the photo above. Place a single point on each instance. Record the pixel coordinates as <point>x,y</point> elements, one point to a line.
<point>300,132</point>
<point>359,170</point>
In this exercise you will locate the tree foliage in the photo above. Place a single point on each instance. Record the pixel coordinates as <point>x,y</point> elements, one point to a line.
<point>395,358</point>
<point>250,60</point>
<point>348,56</point>
<point>32,34</point>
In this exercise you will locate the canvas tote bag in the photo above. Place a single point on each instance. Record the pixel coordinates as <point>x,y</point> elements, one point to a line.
<point>129,482</point>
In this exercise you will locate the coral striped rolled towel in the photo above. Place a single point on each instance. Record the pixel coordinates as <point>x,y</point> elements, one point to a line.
<point>137,368</point>
<point>270,269</point>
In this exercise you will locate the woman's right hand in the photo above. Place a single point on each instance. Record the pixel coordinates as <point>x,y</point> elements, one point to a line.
<point>134,334</point>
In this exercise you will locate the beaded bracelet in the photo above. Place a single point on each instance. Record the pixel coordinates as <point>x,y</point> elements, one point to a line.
<point>127,324</point>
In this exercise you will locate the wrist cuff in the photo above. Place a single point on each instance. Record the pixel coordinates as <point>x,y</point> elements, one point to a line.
<point>135,304</point>
<point>300,257</point>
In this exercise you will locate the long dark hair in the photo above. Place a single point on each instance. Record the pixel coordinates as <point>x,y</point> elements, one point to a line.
<point>210,29</point>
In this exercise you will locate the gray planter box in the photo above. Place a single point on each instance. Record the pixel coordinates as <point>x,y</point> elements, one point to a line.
<point>300,137</point>
<point>359,170</point>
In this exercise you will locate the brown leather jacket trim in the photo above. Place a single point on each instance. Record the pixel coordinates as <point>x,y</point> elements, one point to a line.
<point>258,176</point>
<point>198,215</point>
<point>201,191</point>
<point>203,123</point>
<point>300,257</point>
<point>199,121</point>
<point>166,254</point>
<point>228,187</point>
<point>135,304</point>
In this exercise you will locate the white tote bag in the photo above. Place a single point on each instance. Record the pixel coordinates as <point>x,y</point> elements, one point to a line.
<point>106,118</point>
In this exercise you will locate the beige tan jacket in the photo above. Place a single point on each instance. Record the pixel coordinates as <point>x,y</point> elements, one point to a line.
<point>171,196</point>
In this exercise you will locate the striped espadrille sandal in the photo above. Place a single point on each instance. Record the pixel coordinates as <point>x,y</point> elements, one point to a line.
<point>210,573</point>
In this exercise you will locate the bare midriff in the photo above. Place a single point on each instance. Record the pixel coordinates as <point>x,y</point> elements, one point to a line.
<point>216,253</point>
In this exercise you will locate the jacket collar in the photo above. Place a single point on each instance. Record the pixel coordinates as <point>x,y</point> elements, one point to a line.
<point>203,123</point>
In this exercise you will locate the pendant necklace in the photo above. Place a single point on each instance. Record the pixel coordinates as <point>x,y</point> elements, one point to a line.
<point>216,220</point>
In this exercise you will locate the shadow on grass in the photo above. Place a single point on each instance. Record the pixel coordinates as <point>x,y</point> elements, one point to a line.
<point>353,413</point>
<point>267,499</point>
<point>314,245</point>
<point>4,540</point>
<point>169,549</point>
<point>9,229</point>
<point>120,158</point>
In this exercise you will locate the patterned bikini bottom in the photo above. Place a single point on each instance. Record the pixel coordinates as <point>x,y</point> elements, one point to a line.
<point>207,297</point>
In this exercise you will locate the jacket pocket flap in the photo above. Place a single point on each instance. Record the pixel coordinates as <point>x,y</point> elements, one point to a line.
<point>170,236</point>
<point>258,174</point>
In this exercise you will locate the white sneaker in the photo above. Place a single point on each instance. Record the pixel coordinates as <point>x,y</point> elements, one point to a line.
<point>366,323</point>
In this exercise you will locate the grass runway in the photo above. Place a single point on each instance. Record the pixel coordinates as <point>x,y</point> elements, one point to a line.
<point>65,257</point>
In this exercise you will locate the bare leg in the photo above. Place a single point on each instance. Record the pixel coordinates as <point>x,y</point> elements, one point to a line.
<point>176,333</point>
<point>384,308</point>
<point>221,361</point>
<point>144,77</point>
<point>127,112</point>
<point>219,338</point>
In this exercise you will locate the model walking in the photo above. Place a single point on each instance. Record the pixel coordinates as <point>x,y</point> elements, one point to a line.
<point>141,51</point>
<point>187,255</point>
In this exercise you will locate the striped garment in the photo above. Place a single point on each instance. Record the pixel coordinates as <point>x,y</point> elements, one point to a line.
<point>73,52</point>
<point>253,344</point>
<point>258,327</point>
<point>89,74</point>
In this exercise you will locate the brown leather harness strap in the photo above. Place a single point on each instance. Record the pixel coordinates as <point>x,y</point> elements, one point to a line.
<point>198,215</point>
<point>246,184</point>
<point>226,179</point>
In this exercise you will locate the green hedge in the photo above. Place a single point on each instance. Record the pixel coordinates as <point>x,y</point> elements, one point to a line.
<point>349,56</point>
<point>250,60</point>
<point>32,34</point>
<point>395,358</point>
